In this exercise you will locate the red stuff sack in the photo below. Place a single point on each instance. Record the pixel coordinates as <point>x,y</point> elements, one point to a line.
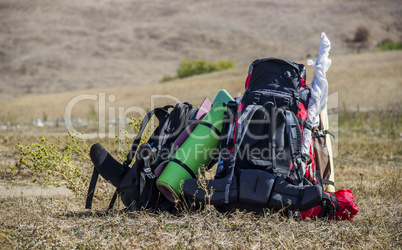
<point>347,206</point>
<point>336,206</point>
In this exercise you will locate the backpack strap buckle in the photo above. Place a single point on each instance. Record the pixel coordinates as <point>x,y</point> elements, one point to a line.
<point>322,133</point>
<point>147,168</point>
<point>256,98</point>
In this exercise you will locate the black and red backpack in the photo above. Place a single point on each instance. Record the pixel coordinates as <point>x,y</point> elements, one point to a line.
<point>275,93</point>
<point>261,165</point>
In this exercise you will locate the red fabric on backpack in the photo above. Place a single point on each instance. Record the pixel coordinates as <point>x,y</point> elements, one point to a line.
<point>347,207</point>
<point>303,115</point>
<point>303,83</point>
<point>310,171</point>
<point>247,81</point>
<point>311,213</point>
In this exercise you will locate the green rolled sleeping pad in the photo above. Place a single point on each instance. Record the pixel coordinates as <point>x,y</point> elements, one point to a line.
<point>196,151</point>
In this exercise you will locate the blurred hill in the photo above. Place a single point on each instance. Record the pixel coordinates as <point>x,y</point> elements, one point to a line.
<point>49,46</point>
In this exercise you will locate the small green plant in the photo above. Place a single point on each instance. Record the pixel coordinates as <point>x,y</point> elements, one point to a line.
<point>68,162</point>
<point>390,45</point>
<point>124,140</point>
<point>189,68</point>
<point>58,162</point>
<point>167,78</point>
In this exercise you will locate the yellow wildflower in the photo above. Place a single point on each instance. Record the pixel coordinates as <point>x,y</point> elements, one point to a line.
<point>42,138</point>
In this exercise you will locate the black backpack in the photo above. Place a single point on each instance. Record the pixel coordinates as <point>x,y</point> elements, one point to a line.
<point>136,185</point>
<point>261,164</point>
<point>269,136</point>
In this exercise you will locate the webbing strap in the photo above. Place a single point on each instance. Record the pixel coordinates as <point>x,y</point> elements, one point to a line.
<point>305,123</point>
<point>322,133</point>
<point>291,132</point>
<point>111,204</point>
<point>244,121</point>
<point>298,203</point>
<point>328,182</point>
<point>272,132</point>
<point>295,139</point>
<point>186,110</point>
<point>322,181</point>
<point>91,189</point>
<point>226,145</point>
<point>160,113</point>
<point>209,125</point>
<point>242,125</point>
<point>334,208</point>
<point>183,165</point>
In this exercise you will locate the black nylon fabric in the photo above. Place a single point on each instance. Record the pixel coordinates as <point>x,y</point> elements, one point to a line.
<point>273,82</point>
<point>136,185</point>
<point>277,74</point>
<point>158,149</point>
<point>267,143</point>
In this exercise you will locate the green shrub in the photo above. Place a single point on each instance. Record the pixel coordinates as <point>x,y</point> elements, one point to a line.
<point>189,68</point>
<point>390,45</point>
<point>58,162</point>
<point>66,161</point>
<point>167,78</point>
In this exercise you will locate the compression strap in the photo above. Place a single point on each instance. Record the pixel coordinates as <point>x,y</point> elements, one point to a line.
<point>183,165</point>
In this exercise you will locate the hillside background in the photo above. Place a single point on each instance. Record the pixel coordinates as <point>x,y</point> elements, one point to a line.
<point>72,47</point>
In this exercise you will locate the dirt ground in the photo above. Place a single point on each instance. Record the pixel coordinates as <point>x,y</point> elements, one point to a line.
<point>31,191</point>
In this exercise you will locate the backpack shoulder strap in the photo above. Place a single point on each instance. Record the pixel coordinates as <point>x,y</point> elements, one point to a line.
<point>175,123</point>
<point>241,129</point>
<point>295,140</point>
<point>161,114</point>
<point>244,121</point>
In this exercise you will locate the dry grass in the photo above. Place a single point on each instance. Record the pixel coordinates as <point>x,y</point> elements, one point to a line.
<point>368,162</point>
